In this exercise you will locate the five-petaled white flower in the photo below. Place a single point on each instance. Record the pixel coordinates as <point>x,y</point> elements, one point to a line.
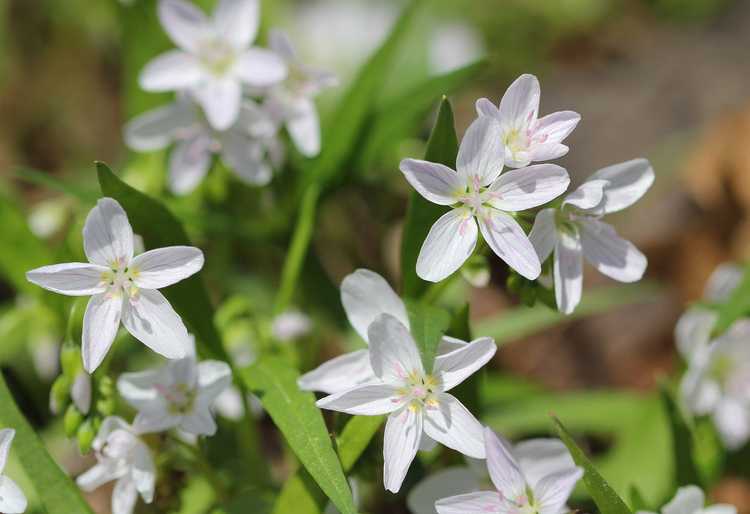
<point>575,230</point>
<point>122,287</point>
<point>524,484</point>
<point>478,191</point>
<point>214,58</point>
<point>12,499</point>
<point>291,102</point>
<point>243,147</point>
<point>180,394</point>
<point>123,457</point>
<point>717,381</point>
<point>417,400</point>
<point>691,500</point>
<point>526,138</point>
<point>365,295</point>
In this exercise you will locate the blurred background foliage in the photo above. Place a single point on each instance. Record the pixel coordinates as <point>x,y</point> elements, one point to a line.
<point>664,79</point>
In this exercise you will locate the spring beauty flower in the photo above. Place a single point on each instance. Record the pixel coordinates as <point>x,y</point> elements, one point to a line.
<point>575,230</point>
<point>478,192</point>
<point>691,500</point>
<point>12,499</point>
<point>526,137</point>
<point>244,147</point>
<point>179,394</point>
<point>123,288</point>
<point>123,457</point>
<point>214,58</point>
<point>416,400</point>
<point>524,484</point>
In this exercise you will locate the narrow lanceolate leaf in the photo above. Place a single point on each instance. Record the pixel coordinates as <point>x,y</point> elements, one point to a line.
<point>55,489</point>
<point>428,325</point>
<point>601,492</point>
<point>421,214</point>
<point>295,414</point>
<point>159,228</point>
<point>686,472</point>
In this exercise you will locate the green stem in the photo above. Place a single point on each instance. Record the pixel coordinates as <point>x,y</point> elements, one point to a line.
<point>204,467</point>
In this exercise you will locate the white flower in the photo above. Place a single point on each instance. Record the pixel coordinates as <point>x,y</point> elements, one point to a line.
<point>122,287</point>
<point>291,325</point>
<point>416,400</point>
<point>180,395</point>
<point>575,230</point>
<point>691,500</point>
<point>291,102</point>
<point>479,192</point>
<point>536,479</point>
<point>525,137</point>
<point>243,146</point>
<point>12,499</point>
<point>365,295</point>
<point>123,457</point>
<point>717,383</point>
<point>214,58</point>
<point>723,281</point>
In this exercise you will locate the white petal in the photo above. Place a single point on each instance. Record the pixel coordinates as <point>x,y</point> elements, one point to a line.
<point>156,129</point>
<point>12,499</point>
<point>568,271</point>
<point>200,422</point>
<point>543,235</point>
<point>450,241</point>
<point>367,400</point>
<point>6,439</point>
<point>720,508</point>
<point>485,107</point>
<point>403,431</point>
<point>72,279</point>
<point>554,490</point>
<point>246,158</point>
<point>610,254</point>
<point>110,425</point>
<point>151,319</point>
<point>538,458</point>
<point>124,496</point>
<point>107,235</point>
<point>556,126</point>
<point>443,483</point>
<point>520,102</point>
<point>455,367</point>
<point>546,152</point>
<point>426,443</point>
<point>339,374</point>
<point>171,71</point>
<point>587,196</point>
<point>100,323</point>
<point>481,502</point>
<point>97,476</point>
<point>700,393</point>
<point>213,378</point>
<point>186,25</point>
<point>481,154</point>
<point>80,392</point>
<point>732,419</point>
<point>452,425</point>
<point>144,472</point>
<point>524,188</point>
<point>163,267</point>
<point>237,21</point>
<point>279,42</point>
<point>393,352</point>
<point>189,163</point>
<point>304,128</point>
<point>504,470</point>
<point>449,344</point>
<point>693,331</point>
<point>509,242</point>
<point>259,67</point>
<point>688,500</point>
<point>220,99</point>
<point>155,421</point>
<point>437,183</point>
<point>139,389</point>
<point>365,295</point>
<point>627,182</point>
<point>723,281</point>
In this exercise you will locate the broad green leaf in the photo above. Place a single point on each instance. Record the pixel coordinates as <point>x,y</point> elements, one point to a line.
<point>159,228</point>
<point>428,324</point>
<point>442,147</point>
<point>55,489</point>
<point>685,470</point>
<point>601,492</point>
<point>295,414</point>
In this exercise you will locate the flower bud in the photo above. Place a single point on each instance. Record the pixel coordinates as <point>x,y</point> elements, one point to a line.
<point>70,359</point>
<point>72,420</point>
<point>86,434</point>
<point>59,395</point>
<point>106,406</point>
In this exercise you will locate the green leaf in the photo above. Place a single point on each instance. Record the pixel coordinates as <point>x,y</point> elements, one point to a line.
<point>685,470</point>
<point>159,228</point>
<point>40,178</point>
<point>601,492</point>
<point>442,147</point>
<point>354,438</point>
<point>636,499</point>
<point>55,489</point>
<point>428,324</point>
<point>295,414</point>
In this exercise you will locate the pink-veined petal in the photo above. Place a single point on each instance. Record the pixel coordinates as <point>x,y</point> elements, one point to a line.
<point>171,71</point>
<point>481,154</point>
<point>450,241</point>
<point>237,21</point>
<point>610,254</point>
<point>163,267</point>
<point>151,319</point>
<point>520,103</point>
<point>627,182</point>
<point>185,23</point>
<point>553,491</point>
<point>587,196</point>
<point>339,374</point>
<point>543,235</point>
<point>393,352</point>
<point>403,431</point>
<point>451,424</point>
<point>540,457</point>
<point>525,188</point>
<point>107,235</point>
<point>436,182</point>
<point>441,484</point>
<point>259,67</point>
<point>455,367</point>
<point>485,107</point>
<point>480,502</point>
<point>367,400</point>
<point>557,126</point>
<point>72,279</point>
<point>100,323</point>
<point>505,472</point>
<point>365,295</point>
<point>568,271</point>
<point>509,242</point>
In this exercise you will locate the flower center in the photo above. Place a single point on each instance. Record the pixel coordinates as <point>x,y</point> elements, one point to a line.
<point>475,197</point>
<point>217,57</point>
<point>523,503</point>
<point>180,397</point>
<point>419,391</point>
<point>120,278</point>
